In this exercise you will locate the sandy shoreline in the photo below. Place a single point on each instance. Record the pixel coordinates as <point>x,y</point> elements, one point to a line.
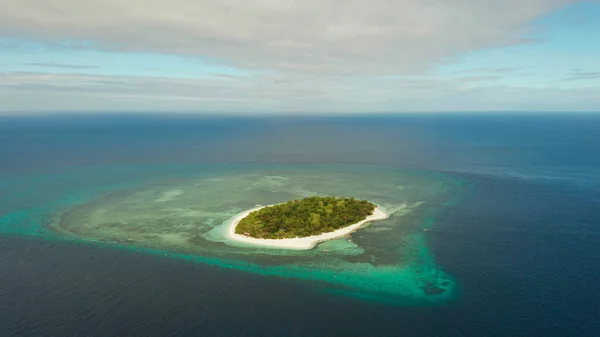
<point>298,243</point>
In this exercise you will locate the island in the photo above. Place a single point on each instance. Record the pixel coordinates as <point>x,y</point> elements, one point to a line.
<point>301,224</point>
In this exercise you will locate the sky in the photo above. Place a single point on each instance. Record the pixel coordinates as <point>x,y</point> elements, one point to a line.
<point>301,57</point>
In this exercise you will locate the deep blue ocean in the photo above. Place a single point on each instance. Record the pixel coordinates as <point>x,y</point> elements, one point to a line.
<point>523,244</point>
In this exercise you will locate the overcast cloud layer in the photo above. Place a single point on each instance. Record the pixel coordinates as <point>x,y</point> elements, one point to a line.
<point>284,56</point>
<point>280,94</point>
<point>319,36</point>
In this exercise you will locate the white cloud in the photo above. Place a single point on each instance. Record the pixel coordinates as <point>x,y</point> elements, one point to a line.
<point>309,56</point>
<point>279,93</point>
<point>314,36</point>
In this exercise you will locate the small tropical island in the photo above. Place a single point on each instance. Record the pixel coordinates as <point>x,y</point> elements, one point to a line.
<point>301,224</point>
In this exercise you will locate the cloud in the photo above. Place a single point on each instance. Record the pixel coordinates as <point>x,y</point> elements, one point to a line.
<point>475,79</point>
<point>312,36</point>
<point>60,66</point>
<point>266,94</point>
<point>579,75</point>
<point>493,70</point>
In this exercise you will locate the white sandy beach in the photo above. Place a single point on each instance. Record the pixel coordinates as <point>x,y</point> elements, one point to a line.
<point>298,243</point>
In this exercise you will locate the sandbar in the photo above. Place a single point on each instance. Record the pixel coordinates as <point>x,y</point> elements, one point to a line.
<point>304,243</point>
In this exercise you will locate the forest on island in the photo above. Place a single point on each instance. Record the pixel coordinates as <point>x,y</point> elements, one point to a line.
<point>306,217</point>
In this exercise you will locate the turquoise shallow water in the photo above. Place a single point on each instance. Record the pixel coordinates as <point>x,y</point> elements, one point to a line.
<point>182,211</point>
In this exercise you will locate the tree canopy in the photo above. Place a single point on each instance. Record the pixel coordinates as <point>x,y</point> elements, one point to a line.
<point>306,217</point>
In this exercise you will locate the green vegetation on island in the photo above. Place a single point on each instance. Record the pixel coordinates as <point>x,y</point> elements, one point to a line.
<point>306,217</point>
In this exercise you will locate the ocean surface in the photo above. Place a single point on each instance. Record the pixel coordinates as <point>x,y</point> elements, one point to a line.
<point>110,225</point>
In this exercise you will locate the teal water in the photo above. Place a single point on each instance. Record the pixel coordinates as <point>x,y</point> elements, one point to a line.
<point>182,211</point>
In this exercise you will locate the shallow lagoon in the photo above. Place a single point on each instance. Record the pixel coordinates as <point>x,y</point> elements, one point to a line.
<point>183,212</point>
